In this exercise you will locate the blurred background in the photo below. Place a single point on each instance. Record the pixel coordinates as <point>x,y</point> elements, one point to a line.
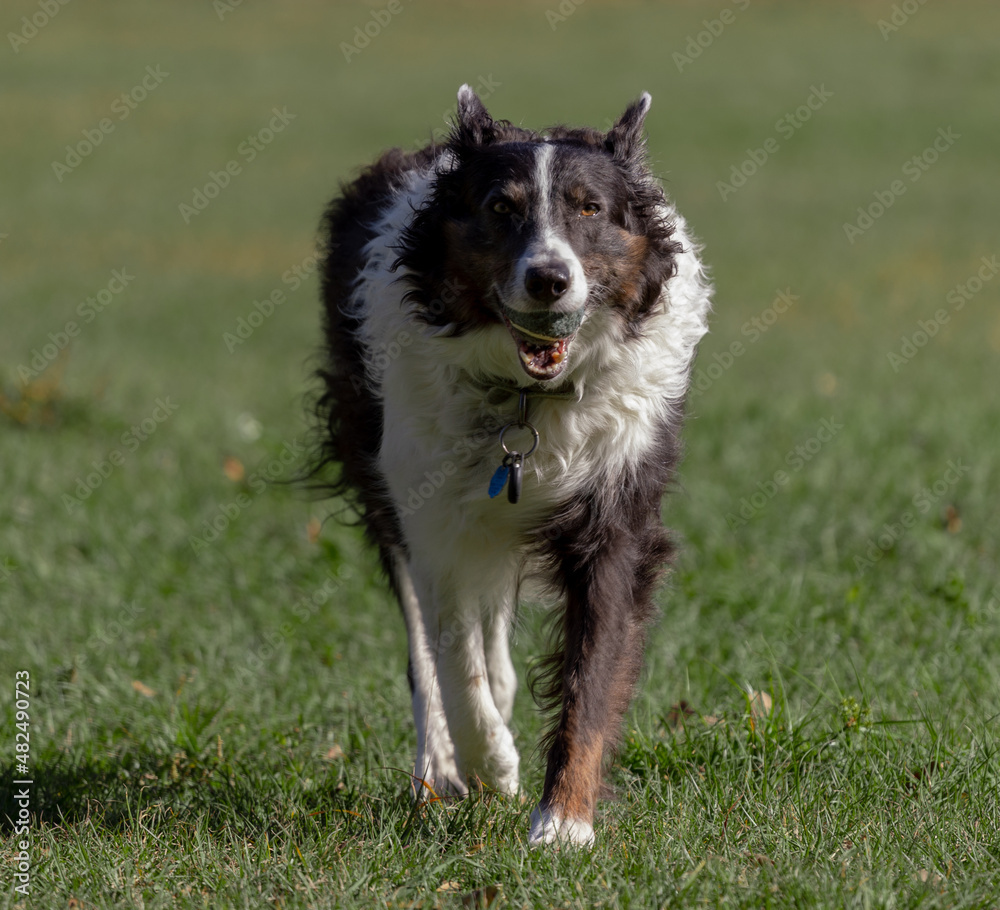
<point>164,168</point>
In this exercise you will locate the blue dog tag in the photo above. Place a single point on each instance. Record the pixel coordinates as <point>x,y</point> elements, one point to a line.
<point>499,480</point>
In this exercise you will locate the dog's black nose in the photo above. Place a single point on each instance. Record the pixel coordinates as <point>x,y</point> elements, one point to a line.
<point>547,282</point>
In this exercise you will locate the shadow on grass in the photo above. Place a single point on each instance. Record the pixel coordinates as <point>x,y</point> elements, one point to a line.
<point>111,792</point>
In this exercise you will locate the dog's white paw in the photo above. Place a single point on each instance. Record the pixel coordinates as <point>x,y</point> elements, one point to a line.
<point>440,777</point>
<point>491,760</point>
<point>549,827</point>
<point>509,786</point>
<point>505,768</point>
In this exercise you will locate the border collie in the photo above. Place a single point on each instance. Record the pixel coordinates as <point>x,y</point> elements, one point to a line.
<point>510,320</point>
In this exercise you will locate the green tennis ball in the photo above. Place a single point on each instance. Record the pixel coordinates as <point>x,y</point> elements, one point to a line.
<point>545,325</point>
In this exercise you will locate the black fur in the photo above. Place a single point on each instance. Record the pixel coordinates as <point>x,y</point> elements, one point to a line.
<point>606,551</point>
<point>348,416</point>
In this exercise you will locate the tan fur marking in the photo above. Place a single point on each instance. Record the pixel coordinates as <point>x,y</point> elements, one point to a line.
<point>577,787</point>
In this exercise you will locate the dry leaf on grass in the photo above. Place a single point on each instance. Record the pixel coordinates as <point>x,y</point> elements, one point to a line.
<point>677,717</point>
<point>928,878</point>
<point>760,704</point>
<point>142,688</point>
<point>233,469</point>
<point>481,897</point>
<point>678,714</point>
<point>952,520</point>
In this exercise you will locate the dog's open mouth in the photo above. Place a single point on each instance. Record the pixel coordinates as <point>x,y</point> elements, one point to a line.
<point>541,358</point>
<point>543,345</point>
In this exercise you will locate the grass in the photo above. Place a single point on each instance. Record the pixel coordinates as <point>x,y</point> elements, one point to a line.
<point>219,712</point>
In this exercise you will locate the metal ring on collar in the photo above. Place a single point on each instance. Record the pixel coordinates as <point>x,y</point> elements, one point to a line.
<point>534,433</point>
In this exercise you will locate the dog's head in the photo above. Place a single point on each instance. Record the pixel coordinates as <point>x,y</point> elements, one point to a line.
<point>539,231</point>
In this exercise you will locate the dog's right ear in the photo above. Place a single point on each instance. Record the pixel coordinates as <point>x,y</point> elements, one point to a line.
<point>475,126</point>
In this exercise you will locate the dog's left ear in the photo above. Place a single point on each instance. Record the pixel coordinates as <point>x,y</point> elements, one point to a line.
<point>474,126</point>
<point>624,139</point>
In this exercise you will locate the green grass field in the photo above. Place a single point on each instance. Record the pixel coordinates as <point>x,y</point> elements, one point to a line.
<point>218,712</point>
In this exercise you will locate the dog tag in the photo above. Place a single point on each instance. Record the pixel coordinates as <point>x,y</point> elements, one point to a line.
<point>499,479</point>
<point>511,470</point>
<point>514,486</point>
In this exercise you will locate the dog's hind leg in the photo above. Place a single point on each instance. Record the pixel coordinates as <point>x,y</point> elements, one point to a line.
<point>434,766</point>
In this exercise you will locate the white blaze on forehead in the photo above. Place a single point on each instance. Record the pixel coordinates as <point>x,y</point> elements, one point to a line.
<point>543,181</point>
<point>548,244</point>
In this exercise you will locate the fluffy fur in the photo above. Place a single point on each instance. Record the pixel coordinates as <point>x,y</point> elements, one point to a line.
<point>438,268</point>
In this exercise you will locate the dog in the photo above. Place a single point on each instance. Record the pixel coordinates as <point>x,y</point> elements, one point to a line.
<point>510,319</point>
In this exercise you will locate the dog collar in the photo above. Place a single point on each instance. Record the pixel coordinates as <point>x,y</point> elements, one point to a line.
<point>496,389</point>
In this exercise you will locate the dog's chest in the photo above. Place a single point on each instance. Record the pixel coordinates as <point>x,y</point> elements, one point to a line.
<point>446,436</point>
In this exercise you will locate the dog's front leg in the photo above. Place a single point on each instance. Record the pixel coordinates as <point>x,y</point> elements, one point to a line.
<point>608,604</point>
<point>434,766</point>
<point>484,747</point>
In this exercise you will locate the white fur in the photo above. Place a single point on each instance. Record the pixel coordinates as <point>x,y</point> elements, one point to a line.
<point>503,678</point>
<point>549,827</point>
<point>434,766</point>
<point>438,461</point>
<point>484,747</point>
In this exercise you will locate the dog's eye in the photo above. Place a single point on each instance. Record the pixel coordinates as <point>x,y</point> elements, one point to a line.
<point>501,207</point>
<point>590,209</point>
